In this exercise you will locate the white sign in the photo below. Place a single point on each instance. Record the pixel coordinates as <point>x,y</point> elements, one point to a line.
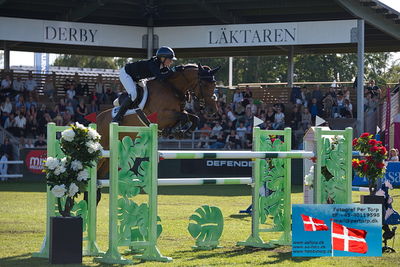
<point>234,35</point>
<point>266,34</point>
<point>71,33</point>
<point>61,32</point>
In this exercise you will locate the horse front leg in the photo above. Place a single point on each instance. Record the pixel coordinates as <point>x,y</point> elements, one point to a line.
<point>194,120</point>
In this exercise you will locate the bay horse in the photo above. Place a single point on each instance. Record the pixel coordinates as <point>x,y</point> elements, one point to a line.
<point>166,99</point>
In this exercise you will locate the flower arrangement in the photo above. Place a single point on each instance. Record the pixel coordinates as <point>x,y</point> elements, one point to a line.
<point>373,166</point>
<point>67,177</point>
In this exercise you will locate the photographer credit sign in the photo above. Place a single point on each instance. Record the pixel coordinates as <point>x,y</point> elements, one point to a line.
<point>335,230</point>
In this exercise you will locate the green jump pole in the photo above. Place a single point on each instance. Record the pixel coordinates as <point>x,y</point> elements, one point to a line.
<point>112,255</point>
<point>50,203</point>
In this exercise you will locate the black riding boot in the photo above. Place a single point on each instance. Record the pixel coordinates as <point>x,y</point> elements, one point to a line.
<point>124,106</point>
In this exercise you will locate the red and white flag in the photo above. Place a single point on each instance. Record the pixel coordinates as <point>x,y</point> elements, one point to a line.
<point>312,224</point>
<point>348,239</point>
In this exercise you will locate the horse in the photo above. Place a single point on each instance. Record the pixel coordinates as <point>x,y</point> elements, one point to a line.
<point>167,100</point>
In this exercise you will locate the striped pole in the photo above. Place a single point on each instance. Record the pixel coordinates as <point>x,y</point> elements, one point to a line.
<point>192,181</point>
<point>193,154</point>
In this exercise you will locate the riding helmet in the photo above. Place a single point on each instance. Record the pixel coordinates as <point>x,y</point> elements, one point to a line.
<point>167,52</point>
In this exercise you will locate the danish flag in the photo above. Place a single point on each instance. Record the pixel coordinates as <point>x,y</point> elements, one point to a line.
<point>348,239</point>
<point>312,224</point>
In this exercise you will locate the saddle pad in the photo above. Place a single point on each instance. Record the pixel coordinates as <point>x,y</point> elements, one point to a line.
<point>133,111</point>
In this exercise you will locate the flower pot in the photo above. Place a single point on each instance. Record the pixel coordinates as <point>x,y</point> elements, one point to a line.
<point>65,240</point>
<point>367,199</point>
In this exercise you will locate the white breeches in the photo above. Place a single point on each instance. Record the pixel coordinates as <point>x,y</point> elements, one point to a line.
<point>128,83</point>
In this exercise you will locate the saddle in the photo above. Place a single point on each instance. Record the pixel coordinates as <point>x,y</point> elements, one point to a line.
<point>139,98</point>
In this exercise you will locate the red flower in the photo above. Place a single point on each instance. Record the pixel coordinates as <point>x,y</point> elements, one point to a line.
<point>362,162</point>
<point>378,142</point>
<point>355,164</point>
<point>365,168</point>
<point>383,150</point>
<point>355,140</point>
<point>364,135</point>
<point>380,165</point>
<point>369,158</point>
<point>372,142</point>
<point>374,149</point>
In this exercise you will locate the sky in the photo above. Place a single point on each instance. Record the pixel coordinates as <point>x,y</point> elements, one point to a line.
<point>26,58</point>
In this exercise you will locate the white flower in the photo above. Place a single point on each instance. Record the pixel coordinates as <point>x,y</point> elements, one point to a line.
<point>60,169</point>
<point>73,189</point>
<point>59,190</point>
<point>76,165</point>
<point>93,134</point>
<point>83,175</point>
<point>68,135</point>
<point>63,161</point>
<point>80,126</point>
<point>52,163</point>
<point>309,178</point>
<point>93,146</point>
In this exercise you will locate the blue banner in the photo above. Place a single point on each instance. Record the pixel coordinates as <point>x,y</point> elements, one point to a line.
<point>336,230</point>
<point>392,175</point>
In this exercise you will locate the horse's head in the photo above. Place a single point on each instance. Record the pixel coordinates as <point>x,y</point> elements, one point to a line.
<point>205,89</point>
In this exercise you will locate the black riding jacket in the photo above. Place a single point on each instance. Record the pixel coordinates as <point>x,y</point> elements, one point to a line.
<point>147,68</point>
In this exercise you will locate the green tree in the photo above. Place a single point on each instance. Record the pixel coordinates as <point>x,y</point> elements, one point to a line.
<point>85,62</point>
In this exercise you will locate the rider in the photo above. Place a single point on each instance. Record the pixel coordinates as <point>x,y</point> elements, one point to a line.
<point>158,67</point>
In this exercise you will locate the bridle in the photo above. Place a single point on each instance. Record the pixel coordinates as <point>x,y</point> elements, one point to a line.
<point>199,85</point>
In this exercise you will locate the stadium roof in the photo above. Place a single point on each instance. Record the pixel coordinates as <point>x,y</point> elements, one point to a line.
<point>382,24</point>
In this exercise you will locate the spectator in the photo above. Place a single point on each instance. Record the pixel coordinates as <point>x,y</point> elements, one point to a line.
<point>328,103</point>
<point>248,143</point>
<point>295,96</point>
<point>241,133</point>
<point>18,86</point>
<point>216,129</point>
<point>331,92</point>
<point>9,124</point>
<point>40,142</point>
<point>32,126</point>
<point>232,141</point>
<point>295,118</point>
<point>6,148</point>
<point>71,93</point>
<point>237,97</point>
<point>373,88</point>
<point>315,109</point>
<point>219,143</point>
<point>3,167</point>
<point>6,106</point>
<point>279,120</point>
<point>81,112</point>
<point>394,155</point>
<point>79,89</point>
<point>252,107</point>
<point>348,109</point>
<point>6,84</point>
<point>339,106</point>
<point>49,87</point>
<point>110,95</point>
<point>99,89</point>
<point>307,96</point>
<point>29,144</point>
<point>230,115</point>
<point>20,103</point>
<point>20,123</point>
<point>30,103</point>
<point>247,96</point>
<point>317,93</point>
<point>270,115</point>
<point>306,119</point>
<point>31,86</point>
